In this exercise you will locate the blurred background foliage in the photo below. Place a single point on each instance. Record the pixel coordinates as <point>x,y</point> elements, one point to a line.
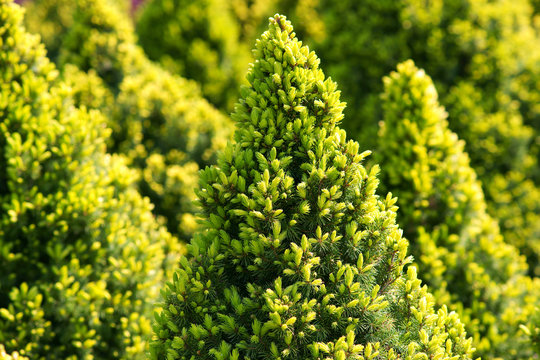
<point>160,121</point>
<point>457,245</point>
<point>484,58</point>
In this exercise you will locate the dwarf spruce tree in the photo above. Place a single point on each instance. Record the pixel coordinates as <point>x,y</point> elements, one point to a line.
<point>159,120</point>
<point>81,255</point>
<point>457,246</point>
<point>300,259</point>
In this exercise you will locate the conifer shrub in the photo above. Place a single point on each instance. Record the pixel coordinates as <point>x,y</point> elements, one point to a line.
<point>488,44</point>
<point>515,200</point>
<point>81,254</point>
<point>159,120</point>
<point>299,258</point>
<point>457,246</point>
<point>199,40</point>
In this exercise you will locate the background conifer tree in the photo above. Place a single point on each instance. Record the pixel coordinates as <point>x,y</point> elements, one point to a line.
<point>81,255</point>
<point>200,40</point>
<point>185,37</point>
<point>160,121</point>
<point>51,19</point>
<point>300,258</point>
<point>456,244</point>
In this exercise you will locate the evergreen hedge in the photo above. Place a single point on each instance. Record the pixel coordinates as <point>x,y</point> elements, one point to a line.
<point>456,244</point>
<point>81,254</point>
<point>299,258</point>
<point>160,121</point>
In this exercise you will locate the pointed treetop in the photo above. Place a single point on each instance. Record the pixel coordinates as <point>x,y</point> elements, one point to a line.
<point>287,92</point>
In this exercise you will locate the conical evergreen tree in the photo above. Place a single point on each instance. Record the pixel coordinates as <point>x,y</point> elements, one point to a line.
<point>456,244</point>
<point>81,255</point>
<point>159,121</point>
<point>300,258</point>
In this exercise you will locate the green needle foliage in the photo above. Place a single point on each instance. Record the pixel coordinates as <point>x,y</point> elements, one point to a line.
<point>199,40</point>
<point>160,121</point>
<point>484,57</point>
<point>82,257</point>
<point>457,245</point>
<point>300,259</point>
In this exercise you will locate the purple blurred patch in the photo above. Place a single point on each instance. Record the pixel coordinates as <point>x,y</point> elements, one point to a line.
<point>134,3</point>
